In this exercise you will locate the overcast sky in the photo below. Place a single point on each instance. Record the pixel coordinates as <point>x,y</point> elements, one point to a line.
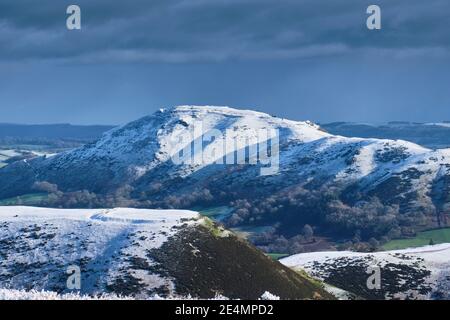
<point>302,59</point>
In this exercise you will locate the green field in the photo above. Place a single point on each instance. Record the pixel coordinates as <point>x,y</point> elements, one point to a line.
<point>215,213</point>
<point>422,239</point>
<point>25,200</point>
<point>277,256</point>
<point>247,231</point>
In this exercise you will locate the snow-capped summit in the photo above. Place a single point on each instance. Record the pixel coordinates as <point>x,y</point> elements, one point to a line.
<point>131,151</point>
<point>141,155</point>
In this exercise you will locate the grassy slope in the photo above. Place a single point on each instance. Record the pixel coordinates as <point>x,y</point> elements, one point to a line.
<point>422,239</point>
<point>205,261</point>
<point>26,200</point>
<point>216,213</point>
<point>277,256</point>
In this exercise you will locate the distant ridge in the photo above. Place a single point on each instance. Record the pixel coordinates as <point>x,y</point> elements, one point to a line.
<point>52,131</point>
<point>435,135</point>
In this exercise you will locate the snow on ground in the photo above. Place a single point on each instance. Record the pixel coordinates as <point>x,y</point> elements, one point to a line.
<point>37,245</point>
<point>6,154</point>
<point>8,294</point>
<point>143,151</point>
<point>439,124</point>
<point>427,267</point>
<point>191,122</point>
<point>436,253</point>
<point>145,144</point>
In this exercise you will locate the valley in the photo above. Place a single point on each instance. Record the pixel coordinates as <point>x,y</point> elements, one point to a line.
<point>424,238</point>
<point>358,193</point>
<point>336,207</point>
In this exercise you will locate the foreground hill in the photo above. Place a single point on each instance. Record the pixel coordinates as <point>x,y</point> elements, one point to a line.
<point>138,253</point>
<point>420,273</point>
<point>344,187</point>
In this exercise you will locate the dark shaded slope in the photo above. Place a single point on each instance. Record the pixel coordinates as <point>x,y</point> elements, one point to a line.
<point>204,263</point>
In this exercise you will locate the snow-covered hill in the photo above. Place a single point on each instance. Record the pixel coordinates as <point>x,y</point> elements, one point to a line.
<point>38,245</point>
<point>11,155</point>
<point>138,253</point>
<point>419,273</point>
<point>139,155</point>
<point>145,147</point>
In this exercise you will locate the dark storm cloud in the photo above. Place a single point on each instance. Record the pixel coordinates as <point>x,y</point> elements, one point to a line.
<point>216,30</point>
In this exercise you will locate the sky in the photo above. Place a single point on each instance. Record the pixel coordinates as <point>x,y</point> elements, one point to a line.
<point>300,59</point>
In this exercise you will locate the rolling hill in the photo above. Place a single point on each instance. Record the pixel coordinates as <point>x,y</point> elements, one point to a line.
<point>341,186</point>
<point>419,273</point>
<point>139,254</point>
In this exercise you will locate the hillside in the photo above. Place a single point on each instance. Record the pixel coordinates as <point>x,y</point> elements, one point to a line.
<point>137,253</point>
<point>345,188</point>
<point>420,273</point>
<point>430,135</point>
